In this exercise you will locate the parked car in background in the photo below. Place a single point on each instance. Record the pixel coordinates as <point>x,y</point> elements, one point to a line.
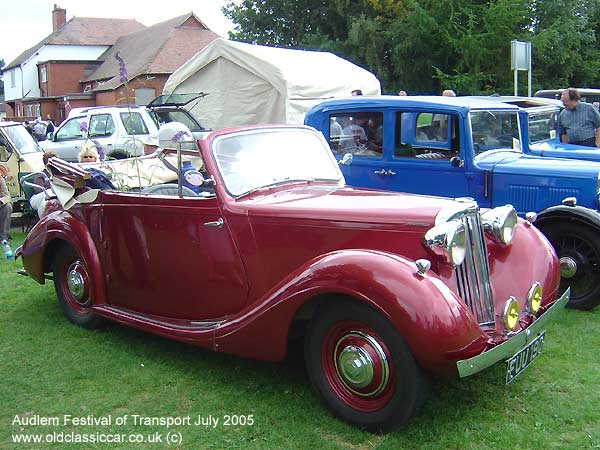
<point>588,95</point>
<point>20,153</point>
<point>380,286</point>
<point>168,108</point>
<point>118,130</point>
<point>539,128</point>
<point>465,146</point>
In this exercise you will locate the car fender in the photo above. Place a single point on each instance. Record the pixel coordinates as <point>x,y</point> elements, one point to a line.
<point>429,316</point>
<point>562,213</point>
<point>41,244</point>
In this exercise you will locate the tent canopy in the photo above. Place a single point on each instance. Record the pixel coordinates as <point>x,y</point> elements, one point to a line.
<point>251,84</point>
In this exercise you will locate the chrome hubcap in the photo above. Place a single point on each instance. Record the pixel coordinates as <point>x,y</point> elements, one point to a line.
<point>568,267</point>
<point>356,366</point>
<point>76,283</point>
<point>361,364</point>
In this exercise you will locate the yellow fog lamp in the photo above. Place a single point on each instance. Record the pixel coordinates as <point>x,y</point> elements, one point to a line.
<point>510,314</point>
<point>534,298</point>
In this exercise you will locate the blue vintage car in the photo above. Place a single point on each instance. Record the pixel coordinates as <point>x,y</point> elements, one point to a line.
<point>463,146</point>
<point>539,127</point>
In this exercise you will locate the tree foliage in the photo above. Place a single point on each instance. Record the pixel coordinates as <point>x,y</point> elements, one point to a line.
<point>424,46</point>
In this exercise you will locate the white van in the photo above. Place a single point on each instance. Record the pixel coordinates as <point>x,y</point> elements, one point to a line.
<point>118,130</point>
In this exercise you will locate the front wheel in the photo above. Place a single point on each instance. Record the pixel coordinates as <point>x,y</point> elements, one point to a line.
<point>73,288</point>
<point>362,367</point>
<point>578,250</point>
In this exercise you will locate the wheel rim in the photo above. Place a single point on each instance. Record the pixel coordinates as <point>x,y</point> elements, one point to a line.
<point>579,265</point>
<point>358,366</point>
<point>77,286</point>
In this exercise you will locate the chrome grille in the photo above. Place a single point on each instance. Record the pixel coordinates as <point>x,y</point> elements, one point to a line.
<point>473,275</point>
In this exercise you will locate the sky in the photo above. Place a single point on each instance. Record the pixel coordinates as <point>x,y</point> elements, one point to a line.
<point>24,23</point>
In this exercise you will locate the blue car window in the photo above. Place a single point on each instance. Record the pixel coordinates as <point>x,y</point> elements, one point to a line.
<point>359,133</point>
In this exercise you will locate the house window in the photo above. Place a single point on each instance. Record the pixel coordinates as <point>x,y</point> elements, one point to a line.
<point>143,96</point>
<point>12,78</point>
<point>43,77</point>
<point>37,110</point>
<point>28,110</point>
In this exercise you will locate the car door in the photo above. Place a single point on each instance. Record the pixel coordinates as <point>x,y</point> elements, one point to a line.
<point>170,257</point>
<point>101,129</point>
<point>414,152</point>
<point>425,153</point>
<point>68,138</point>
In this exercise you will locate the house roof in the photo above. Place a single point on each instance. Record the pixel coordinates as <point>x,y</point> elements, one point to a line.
<point>83,31</point>
<point>158,49</point>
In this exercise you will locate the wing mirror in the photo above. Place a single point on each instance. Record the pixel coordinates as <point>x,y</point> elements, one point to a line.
<point>346,160</point>
<point>455,161</point>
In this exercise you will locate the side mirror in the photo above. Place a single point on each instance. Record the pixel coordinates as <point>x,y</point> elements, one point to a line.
<point>346,160</point>
<point>455,161</point>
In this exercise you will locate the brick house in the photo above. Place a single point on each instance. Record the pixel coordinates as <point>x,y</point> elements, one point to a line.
<point>151,55</point>
<point>75,65</point>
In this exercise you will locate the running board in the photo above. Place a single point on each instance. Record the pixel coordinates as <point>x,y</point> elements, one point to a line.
<point>122,314</point>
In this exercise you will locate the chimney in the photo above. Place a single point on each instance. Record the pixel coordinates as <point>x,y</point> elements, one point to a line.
<point>59,17</point>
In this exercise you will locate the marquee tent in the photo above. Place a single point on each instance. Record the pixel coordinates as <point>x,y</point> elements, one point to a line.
<point>253,84</point>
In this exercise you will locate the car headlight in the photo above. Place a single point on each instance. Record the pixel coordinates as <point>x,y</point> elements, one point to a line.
<point>534,298</point>
<point>510,314</point>
<point>448,240</point>
<point>501,223</point>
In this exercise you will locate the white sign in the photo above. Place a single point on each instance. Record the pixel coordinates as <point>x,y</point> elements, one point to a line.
<point>520,55</point>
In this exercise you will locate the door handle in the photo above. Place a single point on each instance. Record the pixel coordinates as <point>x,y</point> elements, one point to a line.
<point>387,172</point>
<point>216,223</point>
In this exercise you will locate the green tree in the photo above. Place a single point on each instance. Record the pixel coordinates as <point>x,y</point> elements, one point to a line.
<point>565,39</point>
<point>424,46</point>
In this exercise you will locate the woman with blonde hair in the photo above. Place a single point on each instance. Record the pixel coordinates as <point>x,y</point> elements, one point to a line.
<point>89,153</point>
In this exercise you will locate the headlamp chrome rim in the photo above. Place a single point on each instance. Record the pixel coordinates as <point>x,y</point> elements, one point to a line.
<point>510,314</point>
<point>448,240</point>
<point>535,297</point>
<point>501,223</point>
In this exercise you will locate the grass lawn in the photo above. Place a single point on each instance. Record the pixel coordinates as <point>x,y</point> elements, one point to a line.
<point>51,368</point>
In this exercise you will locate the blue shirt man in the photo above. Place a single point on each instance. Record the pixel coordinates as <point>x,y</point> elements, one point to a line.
<point>578,123</point>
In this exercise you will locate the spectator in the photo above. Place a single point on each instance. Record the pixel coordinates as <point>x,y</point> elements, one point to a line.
<point>5,210</point>
<point>448,93</point>
<point>579,122</point>
<point>28,127</point>
<point>402,93</point>
<point>50,127</point>
<point>89,153</point>
<point>150,144</point>
<point>39,130</point>
<point>356,92</point>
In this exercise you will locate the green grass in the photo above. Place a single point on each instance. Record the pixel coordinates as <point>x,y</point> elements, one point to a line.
<point>50,367</point>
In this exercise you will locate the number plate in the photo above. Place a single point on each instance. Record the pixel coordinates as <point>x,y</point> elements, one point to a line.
<point>521,360</point>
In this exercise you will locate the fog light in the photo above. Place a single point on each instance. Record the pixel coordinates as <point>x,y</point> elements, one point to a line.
<point>534,298</point>
<point>510,315</point>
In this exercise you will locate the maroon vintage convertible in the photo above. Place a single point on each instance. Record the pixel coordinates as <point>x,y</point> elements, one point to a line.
<point>271,244</point>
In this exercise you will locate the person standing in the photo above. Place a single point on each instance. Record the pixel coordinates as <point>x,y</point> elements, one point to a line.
<point>50,127</point>
<point>448,93</point>
<point>579,122</point>
<point>5,212</point>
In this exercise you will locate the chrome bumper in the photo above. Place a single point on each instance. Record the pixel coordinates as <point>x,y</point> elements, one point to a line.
<point>508,348</point>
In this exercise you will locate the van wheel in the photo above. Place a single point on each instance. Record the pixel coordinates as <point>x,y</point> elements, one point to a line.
<point>361,366</point>
<point>578,250</point>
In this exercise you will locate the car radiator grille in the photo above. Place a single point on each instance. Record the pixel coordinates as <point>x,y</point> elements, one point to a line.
<point>473,275</point>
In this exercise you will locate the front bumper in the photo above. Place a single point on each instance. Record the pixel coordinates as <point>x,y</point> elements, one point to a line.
<point>508,348</point>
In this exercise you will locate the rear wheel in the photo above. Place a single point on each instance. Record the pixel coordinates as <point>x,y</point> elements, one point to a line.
<point>362,367</point>
<point>73,288</point>
<point>578,250</point>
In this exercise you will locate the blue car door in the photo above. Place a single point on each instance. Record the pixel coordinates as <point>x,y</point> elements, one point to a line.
<point>407,151</point>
